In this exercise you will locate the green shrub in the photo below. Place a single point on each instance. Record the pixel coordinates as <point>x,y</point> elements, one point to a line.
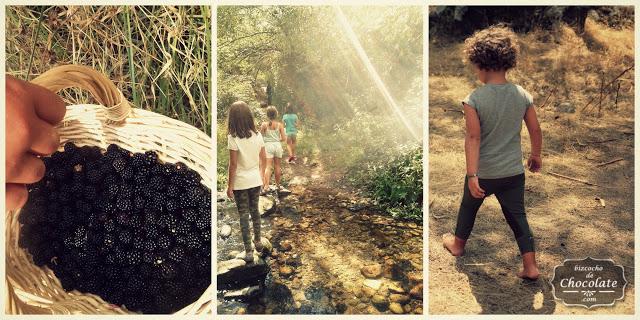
<point>396,185</point>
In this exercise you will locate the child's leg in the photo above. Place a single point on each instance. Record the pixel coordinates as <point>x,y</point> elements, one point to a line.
<point>293,145</point>
<point>253,196</point>
<point>278,171</point>
<point>289,146</point>
<point>511,200</point>
<point>243,204</point>
<point>267,173</point>
<point>469,207</point>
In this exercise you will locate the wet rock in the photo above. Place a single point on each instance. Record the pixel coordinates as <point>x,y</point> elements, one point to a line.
<point>241,311</point>
<point>243,294</point>
<point>225,231</point>
<point>396,308</point>
<point>285,270</point>
<point>399,298</point>
<point>416,292</point>
<point>407,308</point>
<point>368,292</point>
<point>266,205</point>
<point>371,271</point>
<point>236,273</point>
<point>418,310</point>
<point>380,302</point>
<point>371,310</point>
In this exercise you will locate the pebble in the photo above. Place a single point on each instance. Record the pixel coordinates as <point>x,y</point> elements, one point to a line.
<point>395,288</point>
<point>380,302</point>
<point>286,245</point>
<point>396,308</point>
<point>399,298</point>
<point>285,270</point>
<point>416,292</point>
<point>372,271</point>
<point>225,231</point>
<point>372,283</point>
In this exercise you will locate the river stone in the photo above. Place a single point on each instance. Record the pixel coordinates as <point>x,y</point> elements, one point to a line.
<point>266,205</point>
<point>243,294</point>
<point>372,271</point>
<point>285,270</point>
<point>285,245</point>
<point>380,302</point>
<point>372,283</point>
<point>396,308</point>
<point>399,298</point>
<point>395,288</point>
<point>416,292</point>
<point>267,248</point>
<point>225,231</point>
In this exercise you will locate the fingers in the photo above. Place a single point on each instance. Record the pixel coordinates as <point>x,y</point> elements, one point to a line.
<point>29,170</point>
<point>48,105</point>
<point>45,138</point>
<point>16,196</point>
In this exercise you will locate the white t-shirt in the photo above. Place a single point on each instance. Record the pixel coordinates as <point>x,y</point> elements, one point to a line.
<point>248,171</point>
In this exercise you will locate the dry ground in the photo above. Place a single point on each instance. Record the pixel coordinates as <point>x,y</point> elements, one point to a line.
<point>566,219</point>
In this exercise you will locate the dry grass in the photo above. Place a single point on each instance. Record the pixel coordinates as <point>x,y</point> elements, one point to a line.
<point>158,56</point>
<point>566,219</point>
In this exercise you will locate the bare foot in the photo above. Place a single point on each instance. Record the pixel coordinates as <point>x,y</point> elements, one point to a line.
<point>452,244</point>
<point>531,274</point>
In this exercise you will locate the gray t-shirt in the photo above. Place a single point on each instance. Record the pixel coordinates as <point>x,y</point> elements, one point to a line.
<point>501,109</point>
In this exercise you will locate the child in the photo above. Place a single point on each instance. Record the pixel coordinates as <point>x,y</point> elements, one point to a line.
<point>494,114</point>
<point>246,163</point>
<point>273,133</point>
<point>290,120</point>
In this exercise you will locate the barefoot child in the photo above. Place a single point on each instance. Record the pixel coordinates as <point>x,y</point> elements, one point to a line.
<point>494,114</point>
<point>246,162</point>
<point>273,133</point>
<point>290,120</point>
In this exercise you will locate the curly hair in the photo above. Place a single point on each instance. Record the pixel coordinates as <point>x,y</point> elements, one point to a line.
<point>495,48</point>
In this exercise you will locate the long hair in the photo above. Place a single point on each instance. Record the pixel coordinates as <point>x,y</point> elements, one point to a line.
<point>240,122</point>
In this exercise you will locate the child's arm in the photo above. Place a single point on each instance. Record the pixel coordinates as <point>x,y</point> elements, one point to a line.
<point>283,136</point>
<point>472,149</point>
<point>233,166</point>
<point>535,134</point>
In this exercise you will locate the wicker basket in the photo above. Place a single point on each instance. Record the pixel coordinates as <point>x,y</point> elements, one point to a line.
<point>35,290</point>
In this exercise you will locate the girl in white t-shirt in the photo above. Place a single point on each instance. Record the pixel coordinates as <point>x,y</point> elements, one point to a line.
<point>247,158</point>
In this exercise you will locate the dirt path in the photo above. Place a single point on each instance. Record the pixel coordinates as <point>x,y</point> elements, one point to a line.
<point>323,235</point>
<point>565,217</point>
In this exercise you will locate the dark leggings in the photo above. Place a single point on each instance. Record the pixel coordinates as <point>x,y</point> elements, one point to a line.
<point>247,203</point>
<point>510,193</point>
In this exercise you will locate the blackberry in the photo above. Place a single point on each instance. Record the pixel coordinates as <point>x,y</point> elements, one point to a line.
<point>164,242</point>
<point>138,160</point>
<point>113,152</point>
<point>90,193</point>
<point>125,236</point>
<point>183,227</point>
<point>138,243</point>
<point>189,215</point>
<point>123,204</point>
<point>133,257</point>
<point>149,246</point>
<point>157,182</point>
<point>94,176</point>
<point>135,222</point>
<point>138,202</point>
<point>139,179</point>
<point>108,241</point>
<point>127,173</point>
<point>173,191</point>
<point>176,254</point>
<point>193,241</point>
<point>203,222</point>
<point>150,158</point>
<point>148,257</point>
<point>151,231</point>
<point>110,225</point>
<point>168,270</point>
<point>171,205</point>
<point>112,190</point>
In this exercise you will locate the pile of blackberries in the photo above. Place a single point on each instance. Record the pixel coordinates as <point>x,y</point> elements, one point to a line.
<point>133,230</point>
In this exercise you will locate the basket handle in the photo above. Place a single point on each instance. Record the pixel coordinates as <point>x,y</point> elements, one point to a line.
<point>102,89</point>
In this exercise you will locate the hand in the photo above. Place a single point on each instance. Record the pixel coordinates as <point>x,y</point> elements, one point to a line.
<point>474,188</point>
<point>31,114</point>
<point>230,192</point>
<point>534,163</point>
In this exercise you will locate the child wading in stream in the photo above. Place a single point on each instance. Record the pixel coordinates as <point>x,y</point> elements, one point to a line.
<point>494,113</point>
<point>290,119</point>
<point>247,159</point>
<point>273,133</point>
